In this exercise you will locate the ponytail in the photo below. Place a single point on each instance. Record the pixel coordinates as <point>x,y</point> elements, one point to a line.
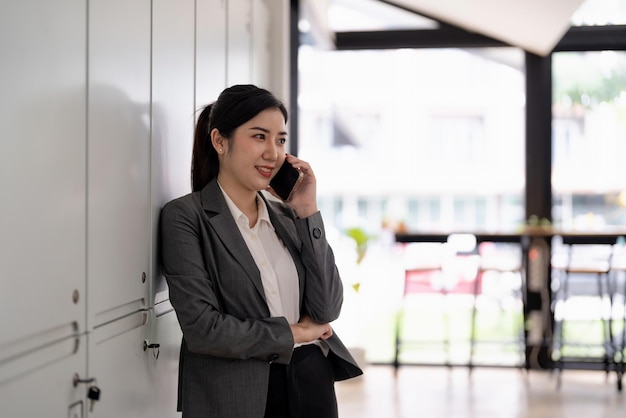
<point>204,162</point>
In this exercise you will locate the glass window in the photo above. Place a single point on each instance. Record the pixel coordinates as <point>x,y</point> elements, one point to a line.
<point>589,127</point>
<point>435,135</point>
<point>423,213</point>
<point>457,138</point>
<point>600,13</point>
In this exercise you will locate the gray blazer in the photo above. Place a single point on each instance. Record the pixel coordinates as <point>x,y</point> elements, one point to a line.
<point>229,338</point>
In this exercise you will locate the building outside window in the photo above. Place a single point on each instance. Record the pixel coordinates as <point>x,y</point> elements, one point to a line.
<point>413,128</point>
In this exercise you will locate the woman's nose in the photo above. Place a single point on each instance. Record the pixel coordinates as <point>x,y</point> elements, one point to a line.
<point>271,151</point>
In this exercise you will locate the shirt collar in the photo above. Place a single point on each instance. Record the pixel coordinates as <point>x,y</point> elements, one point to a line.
<point>264,215</point>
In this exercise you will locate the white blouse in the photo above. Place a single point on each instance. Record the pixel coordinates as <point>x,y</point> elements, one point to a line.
<point>278,271</point>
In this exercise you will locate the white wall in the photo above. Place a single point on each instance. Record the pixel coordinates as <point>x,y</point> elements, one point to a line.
<point>97,107</point>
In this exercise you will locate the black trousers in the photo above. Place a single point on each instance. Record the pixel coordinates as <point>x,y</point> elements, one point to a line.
<point>304,388</point>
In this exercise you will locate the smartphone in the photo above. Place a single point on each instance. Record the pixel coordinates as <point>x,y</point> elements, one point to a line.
<point>286,181</point>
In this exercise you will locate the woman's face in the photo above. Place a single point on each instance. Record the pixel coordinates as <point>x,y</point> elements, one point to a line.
<point>254,153</point>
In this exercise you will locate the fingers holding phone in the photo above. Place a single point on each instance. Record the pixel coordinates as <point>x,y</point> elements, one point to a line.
<point>294,183</point>
<point>286,181</point>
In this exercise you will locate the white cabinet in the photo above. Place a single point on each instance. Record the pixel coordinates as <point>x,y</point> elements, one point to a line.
<point>210,50</point>
<point>42,175</point>
<point>118,362</point>
<point>41,382</point>
<point>173,115</point>
<point>97,113</point>
<point>260,53</point>
<point>162,365</point>
<point>239,42</point>
<point>271,46</point>
<point>137,364</point>
<point>118,150</point>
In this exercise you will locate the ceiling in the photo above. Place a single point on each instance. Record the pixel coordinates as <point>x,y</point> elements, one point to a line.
<point>533,25</point>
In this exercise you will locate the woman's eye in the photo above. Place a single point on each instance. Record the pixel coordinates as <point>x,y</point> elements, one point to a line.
<point>282,141</point>
<point>259,136</point>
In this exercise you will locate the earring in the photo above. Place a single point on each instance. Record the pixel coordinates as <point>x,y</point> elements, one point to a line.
<point>221,150</point>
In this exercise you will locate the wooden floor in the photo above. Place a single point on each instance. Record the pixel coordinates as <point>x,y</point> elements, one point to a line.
<point>439,392</point>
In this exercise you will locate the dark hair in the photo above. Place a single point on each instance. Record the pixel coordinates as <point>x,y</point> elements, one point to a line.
<point>235,106</point>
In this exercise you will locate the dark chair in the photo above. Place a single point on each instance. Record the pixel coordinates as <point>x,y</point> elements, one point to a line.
<point>583,293</point>
<point>618,277</point>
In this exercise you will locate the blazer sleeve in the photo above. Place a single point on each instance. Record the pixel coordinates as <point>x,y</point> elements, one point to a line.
<point>323,288</point>
<point>206,329</point>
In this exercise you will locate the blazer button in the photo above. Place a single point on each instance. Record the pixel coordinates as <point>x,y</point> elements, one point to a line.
<point>317,232</point>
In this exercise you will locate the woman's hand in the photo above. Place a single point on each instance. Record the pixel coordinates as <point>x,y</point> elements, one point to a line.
<point>308,330</point>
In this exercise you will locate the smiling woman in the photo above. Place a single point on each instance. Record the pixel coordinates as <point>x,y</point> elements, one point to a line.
<point>249,157</point>
<point>236,106</point>
<point>253,280</point>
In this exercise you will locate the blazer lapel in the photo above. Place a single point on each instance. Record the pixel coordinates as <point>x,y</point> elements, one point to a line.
<point>225,227</point>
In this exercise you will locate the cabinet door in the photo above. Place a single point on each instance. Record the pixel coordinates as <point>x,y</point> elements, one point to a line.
<point>260,52</point>
<point>239,45</point>
<point>42,172</point>
<point>118,362</point>
<point>162,362</point>
<point>40,382</point>
<point>135,362</point>
<point>270,46</point>
<point>210,50</point>
<point>118,201</point>
<point>173,114</point>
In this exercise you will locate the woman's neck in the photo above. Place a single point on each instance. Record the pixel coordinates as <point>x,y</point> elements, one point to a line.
<point>246,201</point>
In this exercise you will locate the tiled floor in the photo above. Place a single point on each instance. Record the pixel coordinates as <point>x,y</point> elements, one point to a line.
<point>439,392</point>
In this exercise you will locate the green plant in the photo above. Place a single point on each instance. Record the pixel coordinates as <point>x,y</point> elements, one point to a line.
<point>361,239</point>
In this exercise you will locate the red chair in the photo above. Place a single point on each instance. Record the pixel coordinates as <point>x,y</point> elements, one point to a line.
<point>435,274</point>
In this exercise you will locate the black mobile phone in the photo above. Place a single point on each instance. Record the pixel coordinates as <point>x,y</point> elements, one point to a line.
<point>286,181</point>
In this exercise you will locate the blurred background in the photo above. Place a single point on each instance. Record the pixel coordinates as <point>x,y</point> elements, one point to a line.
<point>433,139</point>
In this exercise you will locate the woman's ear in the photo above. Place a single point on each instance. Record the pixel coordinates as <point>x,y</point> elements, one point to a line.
<point>217,140</point>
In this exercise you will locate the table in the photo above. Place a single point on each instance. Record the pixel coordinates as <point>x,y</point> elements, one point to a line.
<point>536,245</point>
